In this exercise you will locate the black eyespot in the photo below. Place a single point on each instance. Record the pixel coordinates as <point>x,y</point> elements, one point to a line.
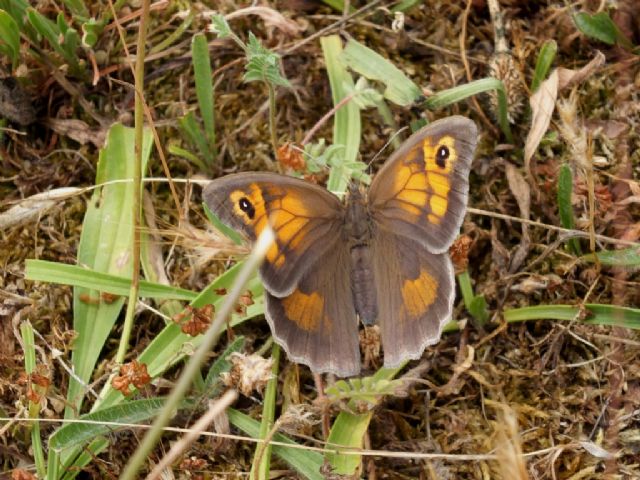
<point>442,156</point>
<point>246,206</point>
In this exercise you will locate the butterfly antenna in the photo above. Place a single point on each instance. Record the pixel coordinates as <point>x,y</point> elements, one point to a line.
<point>384,147</point>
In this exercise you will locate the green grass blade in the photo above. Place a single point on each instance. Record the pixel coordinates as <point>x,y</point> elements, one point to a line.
<point>456,94</point>
<point>399,88</point>
<point>593,314</point>
<point>105,247</point>
<point>262,457</point>
<point>476,305</point>
<point>565,207</point>
<point>51,32</point>
<point>78,8</point>
<point>64,274</point>
<point>346,127</point>
<point>626,257</point>
<point>543,64</point>
<point>76,434</point>
<point>9,37</point>
<point>191,130</point>
<point>26,332</point>
<point>204,91</point>
<point>307,463</point>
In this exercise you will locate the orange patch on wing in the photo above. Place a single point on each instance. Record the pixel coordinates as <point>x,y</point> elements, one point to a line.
<point>417,181</point>
<point>438,177</point>
<point>304,310</point>
<point>294,204</point>
<point>433,219</point>
<point>286,235</point>
<point>438,205</point>
<point>419,294</point>
<point>415,197</point>
<point>431,149</point>
<point>401,177</point>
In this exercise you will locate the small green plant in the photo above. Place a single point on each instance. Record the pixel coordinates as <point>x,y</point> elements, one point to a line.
<point>476,305</point>
<point>565,207</point>
<point>600,26</point>
<point>262,65</point>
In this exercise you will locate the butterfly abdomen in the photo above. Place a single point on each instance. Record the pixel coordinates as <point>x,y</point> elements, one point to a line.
<point>359,234</point>
<point>363,284</point>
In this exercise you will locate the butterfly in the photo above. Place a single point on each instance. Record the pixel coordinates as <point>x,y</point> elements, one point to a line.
<point>380,256</point>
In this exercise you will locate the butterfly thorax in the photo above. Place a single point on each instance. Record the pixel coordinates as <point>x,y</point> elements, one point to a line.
<point>358,232</point>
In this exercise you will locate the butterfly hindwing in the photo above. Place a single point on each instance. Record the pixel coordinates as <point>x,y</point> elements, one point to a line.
<point>415,292</point>
<point>305,219</point>
<point>421,191</point>
<point>316,324</point>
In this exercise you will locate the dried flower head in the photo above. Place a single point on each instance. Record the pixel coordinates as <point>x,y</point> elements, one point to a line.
<point>248,372</point>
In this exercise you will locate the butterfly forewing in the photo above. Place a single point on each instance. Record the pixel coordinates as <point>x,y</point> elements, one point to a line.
<point>421,192</point>
<point>415,292</point>
<point>306,220</point>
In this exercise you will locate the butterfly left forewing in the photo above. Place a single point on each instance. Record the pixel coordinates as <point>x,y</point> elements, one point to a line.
<point>421,191</point>
<point>305,219</point>
<point>415,292</point>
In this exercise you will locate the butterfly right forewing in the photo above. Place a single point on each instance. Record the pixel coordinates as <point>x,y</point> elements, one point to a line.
<point>421,191</point>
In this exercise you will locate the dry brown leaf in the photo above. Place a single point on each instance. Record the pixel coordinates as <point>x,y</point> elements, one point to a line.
<point>78,130</point>
<point>271,18</point>
<point>522,193</point>
<point>34,207</point>
<point>543,102</point>
<point>542,105</point>
<point>569,78</point>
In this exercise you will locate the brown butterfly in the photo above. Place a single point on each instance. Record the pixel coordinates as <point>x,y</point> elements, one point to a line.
<point>380,256</point>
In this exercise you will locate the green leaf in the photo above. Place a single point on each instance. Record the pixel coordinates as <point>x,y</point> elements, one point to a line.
<point>29,353</point>
<point>55,36</point>
<point>91,31</point>
<point>191,130</point>
<point>399,88</point>
<point>105,245</point>
<point>625,257</point>
<point>78,433</point>
<point>74,275</point>
<point>543,64</point>
<point>307,463</point>
<point>598,26</point>
<point>261,464</point>
<point>346,126</point>
<point>220,26</point>
<point>592,314</point>
<point>78,8</point>
<point>349,428</point>
<point>9,37</point>
<point>349,432</point>
<point>405,5</point>
<point>476,305</point>
<point>204,91</point>
<point>263,64</point>
<point>565,207</point>
<point>456,94</point>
